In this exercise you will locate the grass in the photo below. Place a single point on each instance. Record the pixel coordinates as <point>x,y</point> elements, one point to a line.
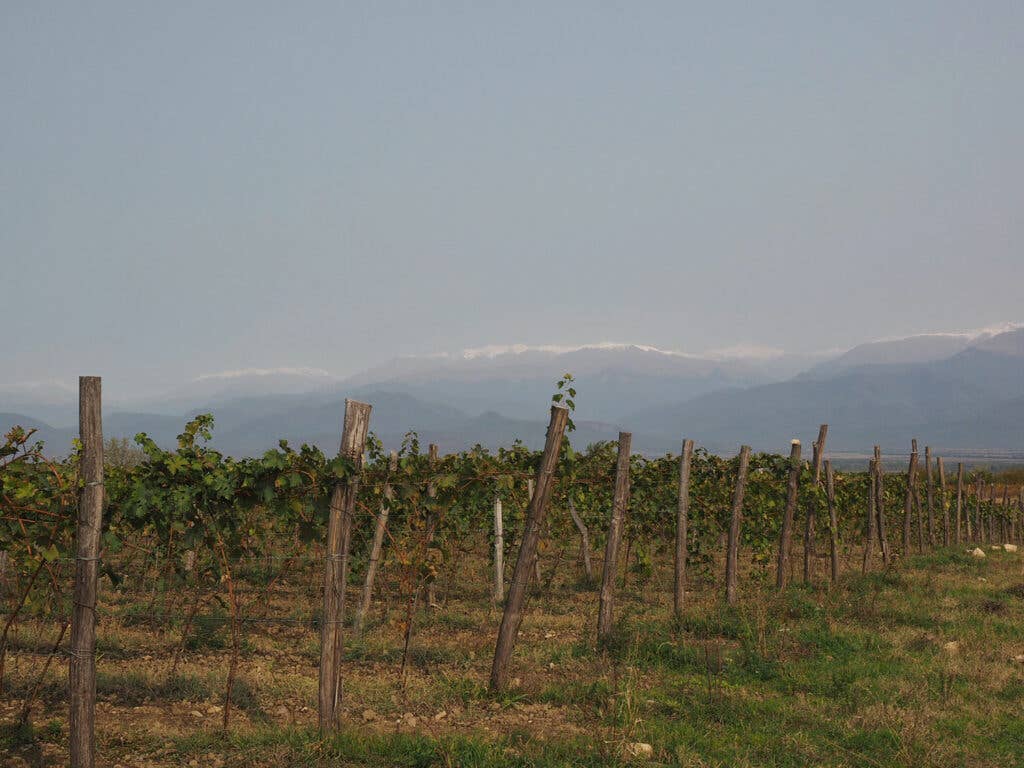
<point>907,667</point>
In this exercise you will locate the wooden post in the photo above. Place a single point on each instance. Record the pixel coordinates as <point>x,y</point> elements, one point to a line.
<point>1004,514</point>
<point>536,556</point>
<point>432,521</point>
<point>943,505</point>
<point>929,495</point>
<point>1019,526</point>
<point>959,500</point>
<point>883,537</point>
<point>981,514</point>
<point>972,527</point>
<point>920,520</point>
<point>682,521</point>
<point>736,520</point>
<point>1020,518</point>
<point>792,490</point>
<point>833,522</point>
<point>513,614</point>
<point>375,549</point>
<point>992,513</point>
<point>869,537</point>
<point>908,502</point>
<point>339,532</point>
<point>588,569</point>
<point>499,551</point>
<point>82,653</point>
<point>812,506</point>
<point>620,501</point>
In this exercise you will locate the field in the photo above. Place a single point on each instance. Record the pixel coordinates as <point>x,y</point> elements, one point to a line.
<point>909,666</point>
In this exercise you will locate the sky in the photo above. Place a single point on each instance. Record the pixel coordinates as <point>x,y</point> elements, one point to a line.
<point>187,188</point>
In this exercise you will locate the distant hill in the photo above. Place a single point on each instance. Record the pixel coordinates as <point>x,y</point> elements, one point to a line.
<point>609,377</point>
<point>969,400</point>
<point>954,391</point>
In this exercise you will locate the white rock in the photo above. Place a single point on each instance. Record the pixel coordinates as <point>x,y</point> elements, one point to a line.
<point>978,552</point>
<point>996,546</point>
<point>952,648</point>
<point>638,749</point>
<point>1010,547</point>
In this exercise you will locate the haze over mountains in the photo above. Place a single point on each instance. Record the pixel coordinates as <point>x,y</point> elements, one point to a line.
<point>957,391</point>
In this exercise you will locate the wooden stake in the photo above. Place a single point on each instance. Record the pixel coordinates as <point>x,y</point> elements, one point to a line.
<point>513,614</point>
<point>82,654</point>
<point>682,521</point>
<point>943,503</point>
<point>908,502</point>
<point>883,537</point>
<point>432,521</point>
<point>833,522</point>
<point>929,495</point>
<point>992,513</point>
<point>375,548</point>
<point>869,537</point>
<point>536,556</point>
<point>915,490</point>
<point>812,506</point>
<point>1003,514</point>
<point>339,532</point>
<point>959,500</point>
<point>792,489</point>
<point>736,520</point>
<point>499,551</point>
<point>982,511</point>
<point>588,569</point>
<point>620,500</point>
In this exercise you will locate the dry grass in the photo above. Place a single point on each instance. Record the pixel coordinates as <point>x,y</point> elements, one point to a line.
<point>856,675</point>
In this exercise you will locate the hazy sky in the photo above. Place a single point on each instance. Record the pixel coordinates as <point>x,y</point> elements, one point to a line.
<point>192,187</point>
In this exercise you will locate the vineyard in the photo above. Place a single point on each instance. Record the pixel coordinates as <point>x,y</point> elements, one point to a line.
<point>577,605</point>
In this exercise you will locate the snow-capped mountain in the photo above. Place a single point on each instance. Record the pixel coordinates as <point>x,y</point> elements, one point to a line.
<point>958,390</point>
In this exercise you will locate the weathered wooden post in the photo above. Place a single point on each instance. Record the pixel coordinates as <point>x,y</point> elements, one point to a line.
<point>1020,518</point>
<point>792,490</point>
<point>620,500</point>
<point>682,521</point>
<point>981,513</point>
<point>812,505</point>
<point>929,495</point>
<point>943,502</point>
<point>917,508</point>
<point>833,521</point>
<point>499,551</point>
<point>959,500</point>
<point>432,520</point>
<point>908,502</point>
<point>992,512</point>
<point>536,556</point>
<point>339,535</point>
<point>588,569</point>
<point>869,537</point>
<point>375,548</point>
<point>513,614</point>
<point>883,536</point>
<point>82,653</point>
<point>736,520</point>
<point>1004,515</point>
<point>972,527</point>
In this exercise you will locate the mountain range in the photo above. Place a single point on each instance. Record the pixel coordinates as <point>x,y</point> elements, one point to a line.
<point>956,391</point>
